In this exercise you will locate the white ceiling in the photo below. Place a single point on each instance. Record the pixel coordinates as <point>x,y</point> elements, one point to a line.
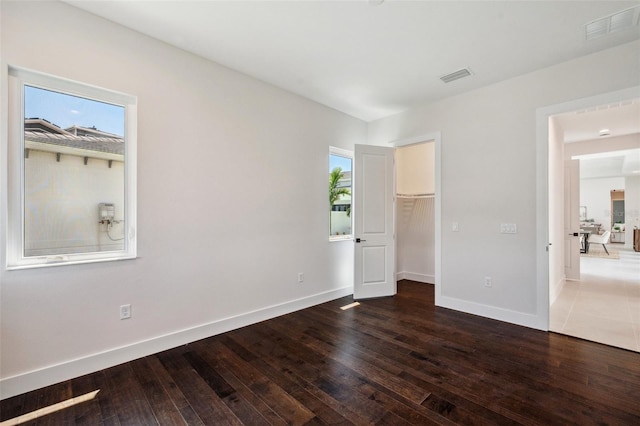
<point>620,118</point>
<point>373,61</point>
<point>611,164</point>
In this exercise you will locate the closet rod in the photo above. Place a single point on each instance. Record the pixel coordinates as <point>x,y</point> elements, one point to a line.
<point>415,195</point>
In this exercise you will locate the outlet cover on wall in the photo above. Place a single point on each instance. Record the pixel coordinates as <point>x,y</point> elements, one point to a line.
<point>508,228</point>
<point>125,311</point>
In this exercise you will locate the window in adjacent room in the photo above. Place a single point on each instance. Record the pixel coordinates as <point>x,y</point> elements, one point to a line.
<point>71,172</point>
<point>340,167</point>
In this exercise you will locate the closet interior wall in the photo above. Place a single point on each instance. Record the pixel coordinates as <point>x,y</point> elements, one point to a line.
<point>415,207</point>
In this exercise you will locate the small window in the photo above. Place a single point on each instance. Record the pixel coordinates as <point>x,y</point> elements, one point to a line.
<point>71,172</point>
<point>340,166</point>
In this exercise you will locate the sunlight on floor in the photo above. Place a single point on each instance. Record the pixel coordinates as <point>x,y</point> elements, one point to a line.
<point>50,409</point>
<point>349,306</point>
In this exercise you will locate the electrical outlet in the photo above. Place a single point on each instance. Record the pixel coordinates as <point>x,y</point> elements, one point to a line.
<point>455,227</point>
<point>300,277</point>
<point>125,311</point>
<point>488,281</point>
<point>508,228</point>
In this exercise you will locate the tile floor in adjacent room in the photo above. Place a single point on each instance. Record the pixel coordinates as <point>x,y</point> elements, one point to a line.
<point>604,306</point>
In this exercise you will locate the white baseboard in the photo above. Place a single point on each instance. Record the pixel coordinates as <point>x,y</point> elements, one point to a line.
<point>50,375</point>
<point>500,314</point>
<point>423,278</point>
<point>556,289</point>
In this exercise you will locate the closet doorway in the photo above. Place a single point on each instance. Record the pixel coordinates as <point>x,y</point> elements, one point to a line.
<point>415,212</point>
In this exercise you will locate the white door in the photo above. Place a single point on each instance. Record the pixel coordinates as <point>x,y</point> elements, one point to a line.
<point>374,222</point>
<point>572,219</point>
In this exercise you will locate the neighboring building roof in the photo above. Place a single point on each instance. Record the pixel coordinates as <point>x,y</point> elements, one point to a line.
<point>42,125</point>
<point>90,131</point>
<point>89,143</point>
<point>77,137</point>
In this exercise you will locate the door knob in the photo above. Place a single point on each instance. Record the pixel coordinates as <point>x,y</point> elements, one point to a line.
<point>359,240</point>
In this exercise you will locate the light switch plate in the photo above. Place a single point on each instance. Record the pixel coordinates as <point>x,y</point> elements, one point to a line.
<point>508,228</point>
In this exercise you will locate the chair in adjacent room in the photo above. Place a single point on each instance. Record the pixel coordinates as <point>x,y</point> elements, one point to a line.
<point>600,239</point>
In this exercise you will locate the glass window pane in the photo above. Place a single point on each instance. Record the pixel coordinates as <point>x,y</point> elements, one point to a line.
<point>339,195</point>
<point>74,164</point>
<point>71,172</point>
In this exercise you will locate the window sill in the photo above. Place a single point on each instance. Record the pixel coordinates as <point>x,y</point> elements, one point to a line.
<point>45,262</point>
<point>341,238</point>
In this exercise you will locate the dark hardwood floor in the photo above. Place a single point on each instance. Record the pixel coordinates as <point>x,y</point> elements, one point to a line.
<point>388,361</point>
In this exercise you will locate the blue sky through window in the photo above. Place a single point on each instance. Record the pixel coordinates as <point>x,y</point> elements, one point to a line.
<point>67,110</point>
<point>338,161</point>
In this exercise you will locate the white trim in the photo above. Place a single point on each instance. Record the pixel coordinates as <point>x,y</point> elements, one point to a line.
<point>341,152</point>
<point>345,153</point>
<point>37,379</point>
<point>427,137</point>
<point>83,90</point>
<point>422,278</point>
<point>338,238</point>
<point>438,218</point>
<point>4,166</point>
<point>556,289</point>
<point>500,314</point>
<point>542,189</point>
<point>12,226</point>
<point>436,138</point>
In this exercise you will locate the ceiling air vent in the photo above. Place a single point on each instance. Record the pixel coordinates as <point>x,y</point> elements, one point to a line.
<point>610,24</point>
<point>597,28</point>
<point>456,75</point>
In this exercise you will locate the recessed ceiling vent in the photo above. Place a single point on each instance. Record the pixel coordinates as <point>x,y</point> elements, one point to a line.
<point>456,75</point>
<point>612,23</point>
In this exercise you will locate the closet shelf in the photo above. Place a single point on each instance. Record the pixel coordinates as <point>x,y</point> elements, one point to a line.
<point>415,195</point>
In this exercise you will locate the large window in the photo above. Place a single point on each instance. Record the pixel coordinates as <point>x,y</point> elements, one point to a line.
<point>71,172</point>
<point>340,166</point>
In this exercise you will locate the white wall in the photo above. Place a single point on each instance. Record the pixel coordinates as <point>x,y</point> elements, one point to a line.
<point>415,165</point>
<point>221,156</point>
<point>488,177</point>
<point>200,125</point>
<point>631,207</point>
<point>595,194</point>
<point>415,239</point>
<point>340,223</point>
<point>556,210</point>
<point>415,217</point>
<point>602,210</point>
<point>70,223</point>
<point>616,143</point>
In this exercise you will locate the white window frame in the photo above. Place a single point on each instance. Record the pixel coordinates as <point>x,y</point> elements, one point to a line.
<point>346,154</point>
<point>14,177</point>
